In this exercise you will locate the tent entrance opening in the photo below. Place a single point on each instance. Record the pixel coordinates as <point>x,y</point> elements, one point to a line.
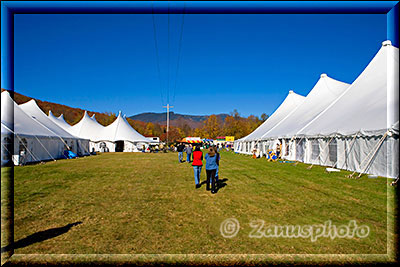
<point>119,146</point>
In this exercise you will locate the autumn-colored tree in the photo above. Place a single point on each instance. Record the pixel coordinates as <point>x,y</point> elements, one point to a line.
<point>198,132</point>
<point>174,135</point>
<point>149,129</point>
<point>212,127</point>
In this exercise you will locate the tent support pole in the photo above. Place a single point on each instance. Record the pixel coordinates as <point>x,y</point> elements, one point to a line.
<point>372,156</point>
<point>351,146</point>
<point>45,148</point>
<point>33,156</point>
<point>367,157</point>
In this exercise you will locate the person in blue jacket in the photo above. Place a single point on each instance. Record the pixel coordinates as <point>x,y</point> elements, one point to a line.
<point>211,169</point>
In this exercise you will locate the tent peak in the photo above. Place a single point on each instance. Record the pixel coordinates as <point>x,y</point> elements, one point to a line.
<point>291,92</point>
<point>323,75</point>
<point>386,43</point>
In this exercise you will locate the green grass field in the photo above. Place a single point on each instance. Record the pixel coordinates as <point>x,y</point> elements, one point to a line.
<point>140,203</point>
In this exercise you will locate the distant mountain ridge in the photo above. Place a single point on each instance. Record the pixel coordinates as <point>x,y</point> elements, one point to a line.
<point>178,120</point>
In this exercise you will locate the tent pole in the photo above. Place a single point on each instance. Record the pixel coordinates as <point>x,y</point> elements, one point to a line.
<point>52,132</point>
<point>375,150</point>
<point>44,148</point>
<point>372,156</point>
<point>33,156</point>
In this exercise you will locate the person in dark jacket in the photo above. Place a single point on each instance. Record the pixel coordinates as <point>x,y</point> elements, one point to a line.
<point>180,149</point>
<point>189,151</point>
<point>217,171</point>
<point>197,165</point>
<point>211,168</point>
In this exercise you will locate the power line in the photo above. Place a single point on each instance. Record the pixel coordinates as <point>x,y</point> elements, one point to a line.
<point>157,55</point>
<point>179,51</point>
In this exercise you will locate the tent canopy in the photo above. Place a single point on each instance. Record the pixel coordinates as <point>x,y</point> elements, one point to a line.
<point>369,105</point>
<point>20,122</point>
<point>32,109</point>
<point>60,121</point>
<point>120,129</point>
<point>324,92</point>
<point>88,128</point>
<point>291,102</point>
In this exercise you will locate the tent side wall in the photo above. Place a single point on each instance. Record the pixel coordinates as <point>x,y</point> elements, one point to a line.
<point>29,149</point>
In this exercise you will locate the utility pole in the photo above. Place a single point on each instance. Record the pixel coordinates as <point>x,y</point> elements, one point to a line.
<point>168,107</point>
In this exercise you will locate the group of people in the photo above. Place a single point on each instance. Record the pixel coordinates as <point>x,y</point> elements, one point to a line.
<point>212,164</point>
<point>182,148</point>
<point>270,155</point>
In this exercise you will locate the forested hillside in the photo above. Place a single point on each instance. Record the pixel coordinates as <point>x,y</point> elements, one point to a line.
<point>231,124</point>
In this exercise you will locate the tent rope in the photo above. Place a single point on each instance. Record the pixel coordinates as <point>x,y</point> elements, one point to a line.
<point>62,140</point>
<point>351,146</point>
<point>23,143</point>
<point>367,157</point>
<point>8,151</point>
<point>44,148</point>
<point>372,156</point>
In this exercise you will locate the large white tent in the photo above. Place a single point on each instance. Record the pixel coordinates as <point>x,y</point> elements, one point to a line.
<point>77,145</point>
<point>89,129</point>
<point>23,138</point>
<point>353,127</point>
<point>117,137</point>
<point>359,130</point>
<point>291,102</point>
<point>324,92</point>
<point>124,136</point>
<point>60,121</point>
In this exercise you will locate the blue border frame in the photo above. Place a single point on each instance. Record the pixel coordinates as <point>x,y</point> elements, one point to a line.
<point>9,8</point>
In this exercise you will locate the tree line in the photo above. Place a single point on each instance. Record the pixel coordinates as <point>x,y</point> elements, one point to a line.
<point>233,125</point>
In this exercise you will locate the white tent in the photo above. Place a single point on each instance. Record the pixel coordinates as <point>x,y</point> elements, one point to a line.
<point>23,138</point>
<point>124,136</point>
<point>291,102</point>
<point>359,130</point>
<point>60,121</point>
<point>73,143</point>
<point>90,129</point>
<point>324,92</point>
<point>118,136</point>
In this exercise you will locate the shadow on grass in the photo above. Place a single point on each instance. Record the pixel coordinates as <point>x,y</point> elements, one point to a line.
<point>39,237</point>
<point>221,183</point>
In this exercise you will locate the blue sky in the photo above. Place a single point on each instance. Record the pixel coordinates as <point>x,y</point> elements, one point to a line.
<point>244,62</point>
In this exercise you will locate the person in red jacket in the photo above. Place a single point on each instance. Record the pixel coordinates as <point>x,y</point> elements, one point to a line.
<point>197,165</point>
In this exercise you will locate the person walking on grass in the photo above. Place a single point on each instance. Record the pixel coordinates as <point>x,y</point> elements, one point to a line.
<point>180,149</point>
<point>211,169</point>
<point>197,165</point>
<point>189,151</point>
<point>217,171</point>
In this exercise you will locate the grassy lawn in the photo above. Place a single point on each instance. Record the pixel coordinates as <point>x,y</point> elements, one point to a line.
<point>147,203</point>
